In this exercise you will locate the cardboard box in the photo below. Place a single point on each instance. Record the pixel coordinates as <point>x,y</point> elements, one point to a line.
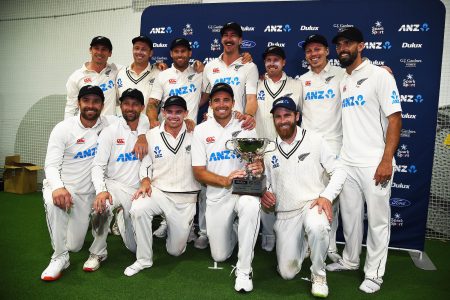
<point>19,178</point>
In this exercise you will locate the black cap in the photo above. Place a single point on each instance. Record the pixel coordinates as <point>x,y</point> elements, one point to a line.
<point>91,90</point>
<point>143,39</point>
<point>274,50</point>
<point>180,42</point>
<point>285,102</point>
<point>101,40</point>
<point>224,87</point>
<point>350,33</point>
<point>132,93</point>
<point>315,38</point>
<point>175,100</point>
<point>233,26</point>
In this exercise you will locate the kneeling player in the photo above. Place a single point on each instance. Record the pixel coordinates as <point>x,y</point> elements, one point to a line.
<point>295,174</point>
<point>168,186</point>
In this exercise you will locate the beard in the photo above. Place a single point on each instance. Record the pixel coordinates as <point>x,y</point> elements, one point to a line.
<point>131,117</point>
<point>90,117</point>
<point>347,61</point>
<point>286,133</point>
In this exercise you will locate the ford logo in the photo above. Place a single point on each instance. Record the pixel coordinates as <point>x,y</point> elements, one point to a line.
<point>248,44</point>
<point>300,44</point>
<point>399,202</point>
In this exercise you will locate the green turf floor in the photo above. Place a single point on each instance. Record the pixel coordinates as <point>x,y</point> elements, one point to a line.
<point>25,252</point>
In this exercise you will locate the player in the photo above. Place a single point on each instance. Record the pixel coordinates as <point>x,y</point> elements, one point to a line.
<point>140,74</point>
<point>216,167</point>
<point>371,123</point>
<point>95,72</point>
<point>68,190</point>
<point>274,85</point>
<point>321,108</point>
<point>168,186</point>
<point>115,174</point>
<point>295,176</point>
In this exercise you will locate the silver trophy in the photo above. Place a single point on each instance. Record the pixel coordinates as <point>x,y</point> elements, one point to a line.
<point>250,149</point>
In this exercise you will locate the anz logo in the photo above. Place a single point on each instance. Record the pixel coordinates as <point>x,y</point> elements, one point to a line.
<point>412,169</point>
<point>395,98</point>
<point>414,27</point>
<point>161,30</point>
<point>86,153</point>
<point>320,95</point>
<point>278,28</point>
<point>107,86</point>
<point>223,155</point>
<point>378,45</point>
<point>228,80</point>
<point>124,157</point>
<point>353,101</point>
<point>183,90</point>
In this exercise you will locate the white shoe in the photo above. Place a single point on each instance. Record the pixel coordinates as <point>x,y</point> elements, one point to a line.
<point>339,266</point>
<point>319,286</point>
<point>55,268</point>
<point>192,236</point>
<point>371,285</point>
<point>243,282</point>
<point>93,262</point>
<point>268,242</point>
<point>134,269</point>
<point>201,242</point>
<point>161,232</point>
<point>334,256</point>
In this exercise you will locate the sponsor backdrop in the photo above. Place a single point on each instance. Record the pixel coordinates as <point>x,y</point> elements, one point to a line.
<point>406,36</point>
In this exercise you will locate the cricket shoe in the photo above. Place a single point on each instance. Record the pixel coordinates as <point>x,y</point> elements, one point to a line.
<point>55,268</point>
<point>334,256</point>
<point>93,262</point>
<point>371,285</point>
<point>319,286</point>
<point>268,242</point>
<point>339,266</point>
<point>201,242</point>
<point>243,283</point>
<point>134,269</point>
<point>161,232</point>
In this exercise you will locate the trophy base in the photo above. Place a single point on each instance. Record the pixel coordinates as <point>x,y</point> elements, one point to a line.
<point>252,187</point>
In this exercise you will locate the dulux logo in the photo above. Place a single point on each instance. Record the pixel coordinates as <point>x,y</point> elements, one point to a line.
<point>415,27</point>
<point>183,90</point>
<point>304,27</point>
<point>161,30</point>
<point>409,116</point>
<point>412,45</point>
<point>320,95</point>
<point>246,44</point>
<point>278,28</point>
<point>223,155</point>
<point>351,101</point>
<point>399,202</point>
<point>124,157</point>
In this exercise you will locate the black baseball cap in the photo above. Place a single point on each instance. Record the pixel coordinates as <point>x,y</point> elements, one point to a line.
<point>285,102</point>
<point>218,87</point>
<point>101,40</point>
<point>274,50</point>
<point>91,90</point>
<point>350,33</point>
<point>175,100</point>
<point>133,93</point>
<point>315,38</point>
<point>143,39</point>
<point>233,26</point>
<point>180,42</point>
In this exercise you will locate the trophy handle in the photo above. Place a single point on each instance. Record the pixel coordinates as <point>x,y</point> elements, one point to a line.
<point>226,145</point>
<point>274,146</point>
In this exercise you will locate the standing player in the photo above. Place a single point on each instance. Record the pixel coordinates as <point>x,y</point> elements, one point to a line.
<point>321,108</point>
<point>216,167</point>
<point>140,74</point>
<point>274,85</point>
<point>168,186</point>
<point>371,123</point>
<point>295,176</point>
<point>115,174</point>
<point>95,72</point>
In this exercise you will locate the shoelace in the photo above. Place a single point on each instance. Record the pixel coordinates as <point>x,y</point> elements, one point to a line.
<point>319,279</point>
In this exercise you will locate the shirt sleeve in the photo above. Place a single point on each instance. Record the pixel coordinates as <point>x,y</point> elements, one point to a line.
<point>252,80</point>
<point>387,93</point>
<point>101,159</point>
<point>143,124</point>
<point>158,87</point>
<point>332,165</point>
<point>198,150</point>
<point>54,157</point>
<point>71,108</point>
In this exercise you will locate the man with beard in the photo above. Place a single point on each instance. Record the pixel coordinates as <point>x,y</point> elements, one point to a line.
<point>68,190</point>
<point>295,176</point>
<point>216,167</point>
<point>95,72</point>
<point>323,113</point>
<point>115,174</point>
<point>371,123</point>
<point>274,85</point>
<point>168,186</point>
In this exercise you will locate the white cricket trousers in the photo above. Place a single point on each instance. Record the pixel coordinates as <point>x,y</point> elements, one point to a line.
<point>220,217</point>
<point>268,219</point>
<point>292,244</point>
<point>202,211</point>
<point>179,217</point>
<point>121,196</point>
<point>67,229</point>
<point>360,188</point>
